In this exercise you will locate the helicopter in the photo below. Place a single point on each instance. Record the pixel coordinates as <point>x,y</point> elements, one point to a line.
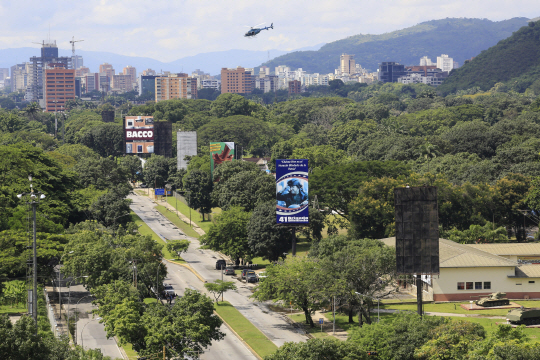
<point>254,30</point>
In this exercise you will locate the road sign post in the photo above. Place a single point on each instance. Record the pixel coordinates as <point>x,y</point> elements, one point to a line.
<point>321,321</point>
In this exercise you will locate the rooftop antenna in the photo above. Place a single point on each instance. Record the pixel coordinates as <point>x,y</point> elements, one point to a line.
<point>72,42</point>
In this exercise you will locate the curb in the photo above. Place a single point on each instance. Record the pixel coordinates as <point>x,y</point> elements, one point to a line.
<point>189,268</point>
<point>241,339</point>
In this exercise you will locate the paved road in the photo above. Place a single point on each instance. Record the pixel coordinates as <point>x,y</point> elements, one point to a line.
<point>230,347</point>
<point>273,325</point>
<point>93,333</point>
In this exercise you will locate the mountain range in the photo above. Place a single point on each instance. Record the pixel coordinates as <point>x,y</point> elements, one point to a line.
<point>205,62</point>
<point>460,39</point>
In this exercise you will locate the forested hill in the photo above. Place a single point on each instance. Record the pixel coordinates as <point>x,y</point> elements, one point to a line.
<point>459,38</point>
<point>514,61</point>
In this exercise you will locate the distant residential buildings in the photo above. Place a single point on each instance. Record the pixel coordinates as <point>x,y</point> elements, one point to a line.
<point>147,84</point>
<point>295,87</point>
<point>176,86</point>
<point>425,61</point>
<point>347,64</point>
<point>390,71</point>
<point>82,71</point>
<point>77,61</point>
<point>445,63</point>
<point>211,84</point>
<point>236,81</point>
<point>267,83</point>
<point>132,72</point>
<point>149,72</point>
<point>121,83</point>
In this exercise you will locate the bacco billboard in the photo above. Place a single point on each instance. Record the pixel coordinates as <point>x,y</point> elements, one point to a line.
<point>139,134</point>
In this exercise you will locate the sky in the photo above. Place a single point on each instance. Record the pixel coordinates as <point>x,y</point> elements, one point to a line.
<point>172,29</point>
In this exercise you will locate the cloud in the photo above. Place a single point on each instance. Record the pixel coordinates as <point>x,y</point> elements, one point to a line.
<point>168,30</point>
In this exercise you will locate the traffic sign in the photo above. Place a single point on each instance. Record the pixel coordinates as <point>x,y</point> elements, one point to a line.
<point>159,191</point>
<point>321,321</point>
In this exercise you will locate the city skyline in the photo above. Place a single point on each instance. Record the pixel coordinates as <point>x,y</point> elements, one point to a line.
<point>132,28</point>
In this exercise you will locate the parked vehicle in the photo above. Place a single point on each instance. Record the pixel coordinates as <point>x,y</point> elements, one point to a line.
<point>524,316</point>
<point>262,275</point>
<point>221,264</point>
<point>229,270</point>
<point>495,299</point>
<point>143,186</point>
<point>251,277</point>
<point>244,273</point>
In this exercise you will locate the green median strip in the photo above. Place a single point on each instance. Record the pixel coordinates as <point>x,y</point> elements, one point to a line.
<point>145,230</point>
<point>245,329</point>
<point>195,216</point>
<point>185,228</point>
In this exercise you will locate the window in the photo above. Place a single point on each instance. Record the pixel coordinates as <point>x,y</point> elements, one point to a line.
<point>469,285</point>
<point>518,283</point>
<point>460,286</point>
<point>531,282</point>
<point>487,285</point>
<point>139,148</point>
<point>478,285</point>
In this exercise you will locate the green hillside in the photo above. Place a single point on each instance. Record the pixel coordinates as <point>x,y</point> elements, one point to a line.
<point>407,46</point>
<point>514,61</point>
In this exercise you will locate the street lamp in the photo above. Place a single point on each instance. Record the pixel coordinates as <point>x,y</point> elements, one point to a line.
<point>76,320</point>
<point>60,284</point>
<point>35,198</point>
<point>69,296</point>
<point>82,339</point>
<point>378,305</point>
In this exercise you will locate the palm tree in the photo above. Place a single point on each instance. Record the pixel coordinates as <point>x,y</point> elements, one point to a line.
<point>428,151</point>
<point>32,109</point>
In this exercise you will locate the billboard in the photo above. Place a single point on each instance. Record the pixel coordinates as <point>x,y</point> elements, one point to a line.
<point>139,134</point>
<point>292,190</point>
<point>186,145</point>
<point>417,230</point>
<point>220,152</point>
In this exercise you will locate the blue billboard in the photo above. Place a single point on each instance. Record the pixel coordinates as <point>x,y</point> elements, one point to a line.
<point>292,190</point>
<point>159,191</point>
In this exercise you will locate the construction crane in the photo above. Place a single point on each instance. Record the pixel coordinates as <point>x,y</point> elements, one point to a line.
<point>72,42</point>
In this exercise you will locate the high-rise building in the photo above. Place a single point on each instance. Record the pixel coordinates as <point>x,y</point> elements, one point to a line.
<point>91,82</point>
<point>121,83</point>
<point>82,71</point>
<point>4,73</point>
<point>149,72</point>
<point>147,84</point>
<point>178,86</point>
<point>19,77</point>
<point>211,84</point>
<point>445,63</point>
<point>59,86</point>
<point>347,64</point>
<point>236,81</point>
<point>132,72</point>
<point>108,70</point>
<point>49,55</point>
<point>77,61</point>
<point>425,61</point>
<point>267,83</point>
<point>391,71</point>
<point>295,87</point>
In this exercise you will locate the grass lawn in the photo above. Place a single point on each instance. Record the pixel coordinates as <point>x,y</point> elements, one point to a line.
<point>454,308</point>
<point>315,331</point>
<point>145,230</point>
<point>150,300</point>
<point>340,231</point>
<point>185,228</point>
<point>132,354</point>
<point>16,309</point>
<point>142,192</point>
<point>195,216</point>
<point>247,331</point>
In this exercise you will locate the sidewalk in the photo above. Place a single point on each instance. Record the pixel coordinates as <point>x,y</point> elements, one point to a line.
<point>182,217</point>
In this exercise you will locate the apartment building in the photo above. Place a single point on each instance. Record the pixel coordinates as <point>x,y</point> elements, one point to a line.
<point>90,82</point>
<point>132,72</point>
<point>82,71</point>
<point>267,83</point>
<point>211,84</point>
<point>236,81</point>
<point>445,63</point>
<point>295,87</point>
<point>178,86</point>
<point>121,83</point>
<point>425,61</point>
<point>347,64</point>
<point>59,84</point>
<point>147,84</point>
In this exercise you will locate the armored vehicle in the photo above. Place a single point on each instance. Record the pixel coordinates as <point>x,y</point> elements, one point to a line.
<point>495,299</point>
<point>524,316</point>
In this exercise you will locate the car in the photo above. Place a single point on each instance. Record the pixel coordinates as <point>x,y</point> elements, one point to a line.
<point>251,277</point>
<point>143,186</point>
<point>229,270</point>
<point>262,275</point>
<point>221,264</point>
<point>243,273</point>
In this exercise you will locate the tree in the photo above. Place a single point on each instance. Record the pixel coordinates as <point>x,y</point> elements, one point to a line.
<point>398,338</point>
<point>103,173</point>
<point>198,187</point>
<point>245,189</point>
<point>297,281</point>
<point>156,171</point>
<point>320,156</point>
<point>231,104</point>
<point>132,166</point>
<point>112,208</point>
<point>265,237</point>
<point>188,326</point>
<point>451,340</point>
<point>21,341</point>
<point>315,349</point>
<point>178,246</point>
<point>218,287</point>
<point>428,151</point>
<point>229,234</point>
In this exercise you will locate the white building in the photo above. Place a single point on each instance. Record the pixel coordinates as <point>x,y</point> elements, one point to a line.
<point>425,61</point>
<point>445,63</point>
<point>211,84</point>
<point>416,78</point>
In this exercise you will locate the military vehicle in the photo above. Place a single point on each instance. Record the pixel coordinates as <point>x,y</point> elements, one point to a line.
<point>524,316</point>
<point>495,299</point>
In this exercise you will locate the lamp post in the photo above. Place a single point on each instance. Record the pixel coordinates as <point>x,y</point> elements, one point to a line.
<point>60,284</point>
<point>76,320</point>
<point>82,339</point>
<point>69,296</point>
<point>378,304</point>
<point>35,198</point>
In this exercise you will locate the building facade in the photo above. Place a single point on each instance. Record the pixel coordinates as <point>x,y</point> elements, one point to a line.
<point>132,72</point>
<point>236,81</point>
<point>347,64</point>
<point>391,72</point>
<point>121,83</point>
<point>147,84</point>
<point>178,86</point>
<point>267,83</point>
<point>295,87</point>
<point>59,86</point>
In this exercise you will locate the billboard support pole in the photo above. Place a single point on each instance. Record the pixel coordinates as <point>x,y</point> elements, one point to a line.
<point>419,294</point>
<point>293,241</point>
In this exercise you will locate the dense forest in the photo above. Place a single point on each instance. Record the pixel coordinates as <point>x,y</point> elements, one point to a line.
<point>512,63</point>
<point>406,46</point>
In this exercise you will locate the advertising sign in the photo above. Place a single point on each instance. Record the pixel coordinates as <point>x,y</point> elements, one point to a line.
<point>220,152</point>
<point>146,134</point>
<point>139,134</point>
<point>292,190</point>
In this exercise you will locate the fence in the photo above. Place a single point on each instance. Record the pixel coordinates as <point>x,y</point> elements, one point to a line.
<point>50,314</point>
